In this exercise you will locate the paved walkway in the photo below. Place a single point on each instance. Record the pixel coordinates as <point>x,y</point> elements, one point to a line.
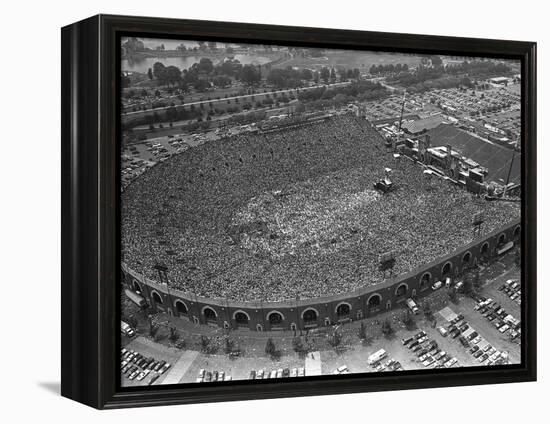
<point>313,363</point>
<point>179,369</point>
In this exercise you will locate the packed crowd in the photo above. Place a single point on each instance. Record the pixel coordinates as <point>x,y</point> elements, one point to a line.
<point>292,214</point>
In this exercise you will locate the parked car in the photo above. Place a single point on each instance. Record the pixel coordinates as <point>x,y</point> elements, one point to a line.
<point>437,285</point>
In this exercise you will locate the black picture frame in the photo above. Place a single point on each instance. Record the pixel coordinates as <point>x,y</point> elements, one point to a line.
<point>91,214</point>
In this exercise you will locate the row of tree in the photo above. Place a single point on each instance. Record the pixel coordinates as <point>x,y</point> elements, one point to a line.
<point>203,74</point>
<point>388,69</point>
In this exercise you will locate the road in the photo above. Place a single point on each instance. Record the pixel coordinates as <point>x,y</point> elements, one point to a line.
<point>225,99</point>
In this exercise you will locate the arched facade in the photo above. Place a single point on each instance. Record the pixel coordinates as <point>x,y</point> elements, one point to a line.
<point>156,297</point>
<point>209,314</point>
<point>137,286</point>
<point>402,290</point>
<point>343,310</point>
<point>241,318</point>
<point>425,281</point>
<point>181,307</point>
<point>446,269</point>
<point>304,314</point>
<point>310,316</point>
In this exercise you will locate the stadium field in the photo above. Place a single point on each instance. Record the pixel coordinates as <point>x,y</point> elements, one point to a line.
<point>293,214</point>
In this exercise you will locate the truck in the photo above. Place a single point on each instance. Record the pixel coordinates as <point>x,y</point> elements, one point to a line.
<point>377,357</point>
<point>412,305</point>
<point>437,285</point>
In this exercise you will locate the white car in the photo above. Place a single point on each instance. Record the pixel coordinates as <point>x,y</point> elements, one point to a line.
<point>437,285</point>
<point>451,362</point>
<point>342,369</point>
<point>503,328</point>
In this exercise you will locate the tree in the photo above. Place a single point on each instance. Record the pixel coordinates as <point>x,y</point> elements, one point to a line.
<point>408,320</point>
<point>205,65</point>
<point>334,338</point>
<point>306,74</point>
<point>231,348</point>
<point>325,74</point>
<point>299,347</point>
<point>436,61</point>
<point>174,335</point>
<point>316,77</point>
<point>428,313</point>
<point>153,328</point>
<point>271,349</point>
<point>362,331</point>
<point>453,295</point>
<point>158,69</point>
<point>150,73</point>
<point>333,75</point>
<point>387,328</point>
<point>299,108</point>
<point>171,75</point>
<point>249,75</point>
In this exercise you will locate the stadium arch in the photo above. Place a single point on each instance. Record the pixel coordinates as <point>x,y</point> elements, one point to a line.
<point>402,290</point>
<point>276,315</point>
<point>343,310</point>
<point>136,286</point>
<point>241,318</point>
<point>181,307</point>
<point>501,239</point>
<point>310,315</point>
<point>517,233</point>
<point>156,297</point>
<point>484,251</point>
<point>209,314</point>
<point>374,300</point>
<point>466,259</point>
<point>425,281</point>
<point>446,269</point>
<point>275,318</point>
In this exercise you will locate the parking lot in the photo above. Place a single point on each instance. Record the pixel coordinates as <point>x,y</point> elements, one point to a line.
<point>477,328</point>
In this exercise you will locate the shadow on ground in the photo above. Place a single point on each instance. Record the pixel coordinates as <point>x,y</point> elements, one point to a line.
<point>51,386</point>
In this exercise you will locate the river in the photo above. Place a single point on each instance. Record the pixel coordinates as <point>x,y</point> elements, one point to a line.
<point>184,62</point>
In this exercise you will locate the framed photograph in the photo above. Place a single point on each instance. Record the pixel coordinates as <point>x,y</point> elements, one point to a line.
<point>254,211</point>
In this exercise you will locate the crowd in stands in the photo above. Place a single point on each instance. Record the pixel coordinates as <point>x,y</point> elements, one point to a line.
<point>292,214</point>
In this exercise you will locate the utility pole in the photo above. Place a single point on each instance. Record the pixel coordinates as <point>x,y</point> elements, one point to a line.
<point>509,172</point>
<point>162,270</point>
<point>400,120</point>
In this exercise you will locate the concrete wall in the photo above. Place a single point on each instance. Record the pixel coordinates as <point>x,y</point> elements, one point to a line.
<point>364,302</point>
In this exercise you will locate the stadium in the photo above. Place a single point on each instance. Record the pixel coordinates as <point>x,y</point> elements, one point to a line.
<point>287,228</point>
